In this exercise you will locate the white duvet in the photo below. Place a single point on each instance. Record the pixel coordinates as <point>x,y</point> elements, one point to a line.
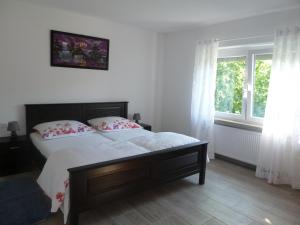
<point>54,179</point>
<point>162,140</point>
<point>124,135</point>
<point>48,147</point>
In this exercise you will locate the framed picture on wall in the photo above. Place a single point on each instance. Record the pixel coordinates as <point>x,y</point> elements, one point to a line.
<point>79,51</point>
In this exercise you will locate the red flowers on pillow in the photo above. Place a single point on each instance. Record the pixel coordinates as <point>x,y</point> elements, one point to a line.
<point>112,124</point>
<point>63,128</point>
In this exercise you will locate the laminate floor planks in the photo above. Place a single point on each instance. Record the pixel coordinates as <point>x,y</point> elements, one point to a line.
<point>232,195</point>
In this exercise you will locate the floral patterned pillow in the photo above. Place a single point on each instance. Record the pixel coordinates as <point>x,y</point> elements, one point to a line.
<point>112,124</point>
<point>62,128</point>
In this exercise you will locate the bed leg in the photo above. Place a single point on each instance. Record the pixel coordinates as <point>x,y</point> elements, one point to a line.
<point>73,219</point>
<point>202,161</point>
<point>202,177</point>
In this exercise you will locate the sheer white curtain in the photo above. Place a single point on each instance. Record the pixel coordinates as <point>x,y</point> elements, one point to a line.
<point>279,158</point>
<point>203,92</point>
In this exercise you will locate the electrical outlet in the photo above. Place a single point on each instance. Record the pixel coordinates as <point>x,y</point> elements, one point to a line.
<point>3,130</point>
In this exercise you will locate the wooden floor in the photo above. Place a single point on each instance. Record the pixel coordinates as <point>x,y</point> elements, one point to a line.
<point>232,195</point>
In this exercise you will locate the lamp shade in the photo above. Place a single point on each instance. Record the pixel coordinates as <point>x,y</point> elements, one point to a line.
<point>13,126</point>
<point>136,116</point>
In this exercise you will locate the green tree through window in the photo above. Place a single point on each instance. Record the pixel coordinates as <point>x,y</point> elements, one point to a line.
<point>263,64</point>
<point>231,78</point>
<point>229,84</point>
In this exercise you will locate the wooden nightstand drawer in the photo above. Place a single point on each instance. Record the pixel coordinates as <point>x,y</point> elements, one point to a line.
<point>16,146</point>
<point>15,156</point>
<point>4,148</point>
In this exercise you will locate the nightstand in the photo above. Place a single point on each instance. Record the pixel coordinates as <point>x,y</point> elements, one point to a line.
<point>145,126</point>
<point>15,155</point>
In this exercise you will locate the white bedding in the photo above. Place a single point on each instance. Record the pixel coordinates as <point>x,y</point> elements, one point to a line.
<point>162,140</point>
<point>54,179</point>
<point>124,135</point>
<point>71,152</point>
<point>47,147</point>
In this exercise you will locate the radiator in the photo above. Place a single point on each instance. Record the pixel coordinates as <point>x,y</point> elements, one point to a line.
<point>236,143</point>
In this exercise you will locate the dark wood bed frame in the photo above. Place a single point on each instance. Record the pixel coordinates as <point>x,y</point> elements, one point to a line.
<point>94,184</point>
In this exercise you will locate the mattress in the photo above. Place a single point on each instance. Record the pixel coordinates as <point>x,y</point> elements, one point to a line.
<point>47,147</point>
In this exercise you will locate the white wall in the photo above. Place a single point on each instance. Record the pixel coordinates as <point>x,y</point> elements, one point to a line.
<point>178,71</point>
<point>26,75</point>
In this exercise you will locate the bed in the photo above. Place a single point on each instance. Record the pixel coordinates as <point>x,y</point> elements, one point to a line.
<point>97,183</point>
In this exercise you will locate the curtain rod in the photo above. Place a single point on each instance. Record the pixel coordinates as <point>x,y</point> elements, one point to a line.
<point>265,45</point>
<point>245,38</point>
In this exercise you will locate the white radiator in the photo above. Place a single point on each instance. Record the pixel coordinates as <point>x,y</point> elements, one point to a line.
<point>236,143</point>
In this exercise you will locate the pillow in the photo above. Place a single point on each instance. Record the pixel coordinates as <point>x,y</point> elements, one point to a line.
<point>112,124</point>
<point>62,128</point>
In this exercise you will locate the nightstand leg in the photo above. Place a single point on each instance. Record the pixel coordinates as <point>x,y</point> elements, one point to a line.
<point>73,219</point>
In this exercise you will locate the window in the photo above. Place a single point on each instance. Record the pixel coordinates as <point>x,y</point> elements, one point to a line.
<point>242,84</point>
<point>230,82</point>
<point>261,77</point>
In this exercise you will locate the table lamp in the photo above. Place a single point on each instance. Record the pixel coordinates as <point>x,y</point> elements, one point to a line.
<point>136,117</point>
<point>13,127</point>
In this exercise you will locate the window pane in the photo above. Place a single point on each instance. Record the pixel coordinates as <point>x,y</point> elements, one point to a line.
<point>229,84</point>
<point>263,64</point>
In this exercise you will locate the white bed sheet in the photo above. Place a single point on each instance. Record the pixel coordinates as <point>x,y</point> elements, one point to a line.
<point>125,135</point>
<point>71,152</point>
<point>47,147</point>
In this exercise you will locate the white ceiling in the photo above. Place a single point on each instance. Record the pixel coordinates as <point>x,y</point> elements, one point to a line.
<point>170,15</point>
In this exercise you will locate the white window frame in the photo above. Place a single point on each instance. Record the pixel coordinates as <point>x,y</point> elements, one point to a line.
<point>250,84</point>
<point>247,104</point>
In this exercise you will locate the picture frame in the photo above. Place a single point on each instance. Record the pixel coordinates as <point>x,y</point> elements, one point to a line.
<point>79,51</point>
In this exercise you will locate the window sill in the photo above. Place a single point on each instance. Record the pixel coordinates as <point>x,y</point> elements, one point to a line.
<point>239,125</point>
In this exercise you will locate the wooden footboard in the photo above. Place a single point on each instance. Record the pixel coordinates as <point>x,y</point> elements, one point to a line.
<point>94,184</point>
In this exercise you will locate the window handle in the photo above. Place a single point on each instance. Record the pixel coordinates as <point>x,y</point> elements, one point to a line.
<point>249,87</point>
<point>245,91</point>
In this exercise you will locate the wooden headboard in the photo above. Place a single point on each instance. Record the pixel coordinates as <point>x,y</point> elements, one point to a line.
<point>40,113</point>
